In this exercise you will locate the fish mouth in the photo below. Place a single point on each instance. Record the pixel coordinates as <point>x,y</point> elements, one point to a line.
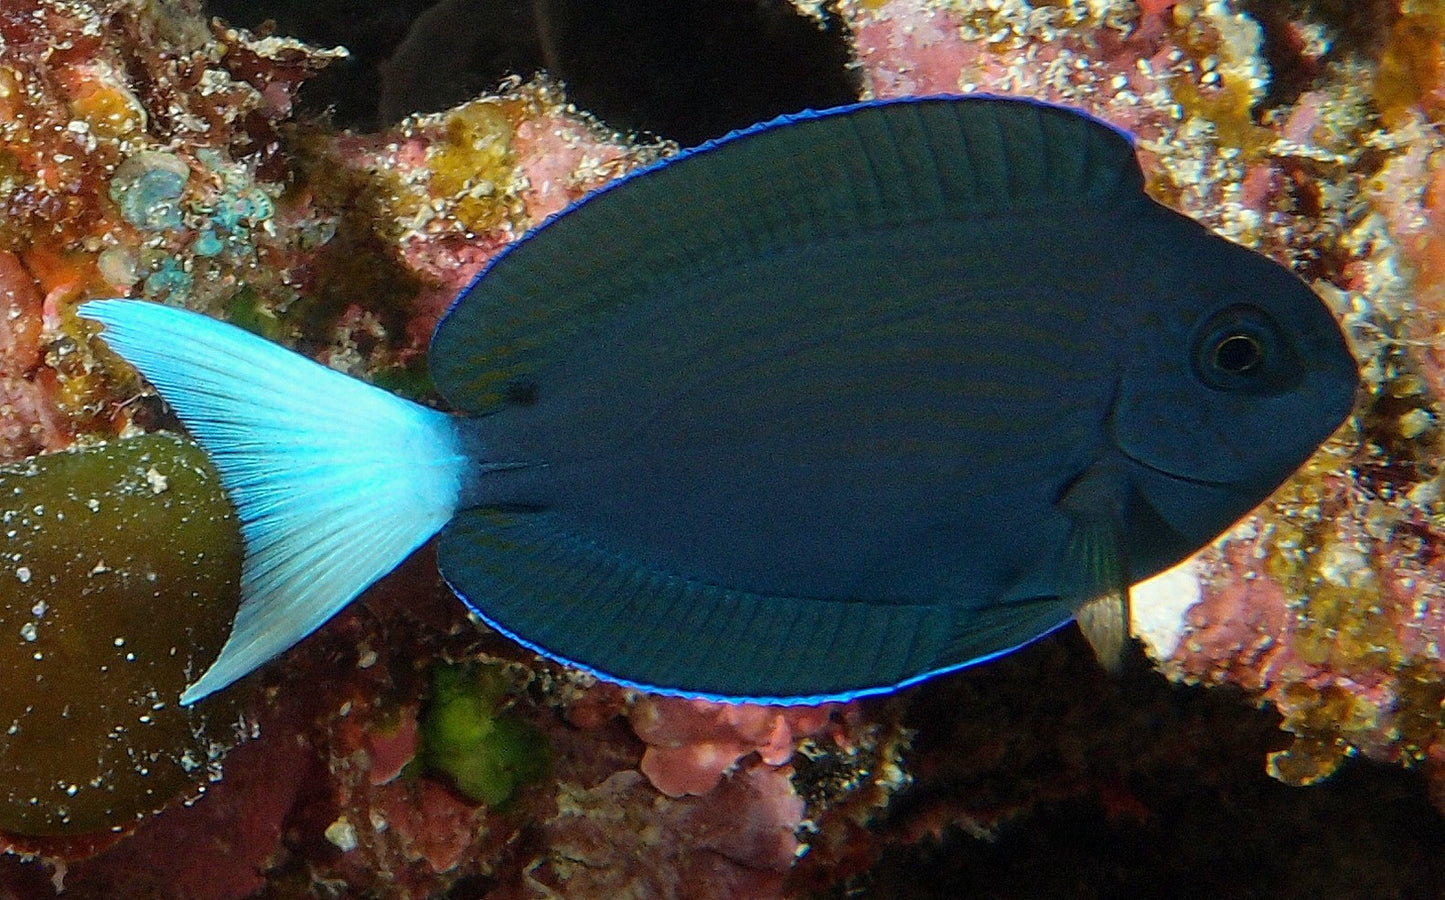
<point>1118,445</point>
<point>1229,486</point>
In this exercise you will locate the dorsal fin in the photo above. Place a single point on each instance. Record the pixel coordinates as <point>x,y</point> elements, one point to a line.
<point>800,178</point>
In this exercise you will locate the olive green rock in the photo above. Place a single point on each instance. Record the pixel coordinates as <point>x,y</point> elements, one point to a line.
<point>120,573</point>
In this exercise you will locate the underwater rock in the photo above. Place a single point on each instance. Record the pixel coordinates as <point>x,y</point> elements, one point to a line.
<point>442,193</point>
<point>28,421</point>
<point>121,574</point>
<point>135,157</point>
<point>741,843</point>
<point>222,847</point>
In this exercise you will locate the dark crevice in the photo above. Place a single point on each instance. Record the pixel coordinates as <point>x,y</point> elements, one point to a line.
<point>687,70</point>
<point>1350,28</point>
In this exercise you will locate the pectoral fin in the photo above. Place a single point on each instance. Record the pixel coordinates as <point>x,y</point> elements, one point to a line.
<point>1104,620</point>
<point>1095,567</point>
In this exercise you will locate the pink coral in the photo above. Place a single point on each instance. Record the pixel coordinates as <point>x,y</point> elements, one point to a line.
<point>918,47</point>
<point>526,151</point>
<point>692,744</point>
<point>19,315</point>
<point>739,842</point>
<point>391,749</point>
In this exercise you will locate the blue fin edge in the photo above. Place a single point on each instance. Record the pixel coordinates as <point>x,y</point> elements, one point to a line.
<point>801,700</point>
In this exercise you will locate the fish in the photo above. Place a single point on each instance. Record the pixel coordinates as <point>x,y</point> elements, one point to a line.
<point>817,410</point>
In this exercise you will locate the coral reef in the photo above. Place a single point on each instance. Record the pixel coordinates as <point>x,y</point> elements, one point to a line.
<point>739,842</point>
<point>145,152</point>
<point>133,161</point>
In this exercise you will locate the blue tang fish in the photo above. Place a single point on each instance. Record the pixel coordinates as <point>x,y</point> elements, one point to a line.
<point>822,408</point>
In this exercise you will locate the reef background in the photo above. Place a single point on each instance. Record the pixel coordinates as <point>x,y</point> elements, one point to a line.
<point>1284,736</point>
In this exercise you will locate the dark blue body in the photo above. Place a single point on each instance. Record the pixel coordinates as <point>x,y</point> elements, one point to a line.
<point>798,415</point>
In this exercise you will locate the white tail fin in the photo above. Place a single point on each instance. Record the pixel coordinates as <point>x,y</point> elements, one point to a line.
<point>335,481</point>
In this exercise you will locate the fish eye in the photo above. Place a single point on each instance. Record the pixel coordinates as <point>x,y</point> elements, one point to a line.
<point>1238,354</point>
<point>1240,349</point>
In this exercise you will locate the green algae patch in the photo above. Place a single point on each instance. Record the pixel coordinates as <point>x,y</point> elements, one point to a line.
<point>486,751</point>
<point>120,575</point>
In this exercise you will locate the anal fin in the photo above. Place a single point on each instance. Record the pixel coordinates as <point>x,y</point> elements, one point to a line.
<point>530,577</point>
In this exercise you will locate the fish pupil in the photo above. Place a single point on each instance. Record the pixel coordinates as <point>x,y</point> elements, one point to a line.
<point>1238,354</point>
